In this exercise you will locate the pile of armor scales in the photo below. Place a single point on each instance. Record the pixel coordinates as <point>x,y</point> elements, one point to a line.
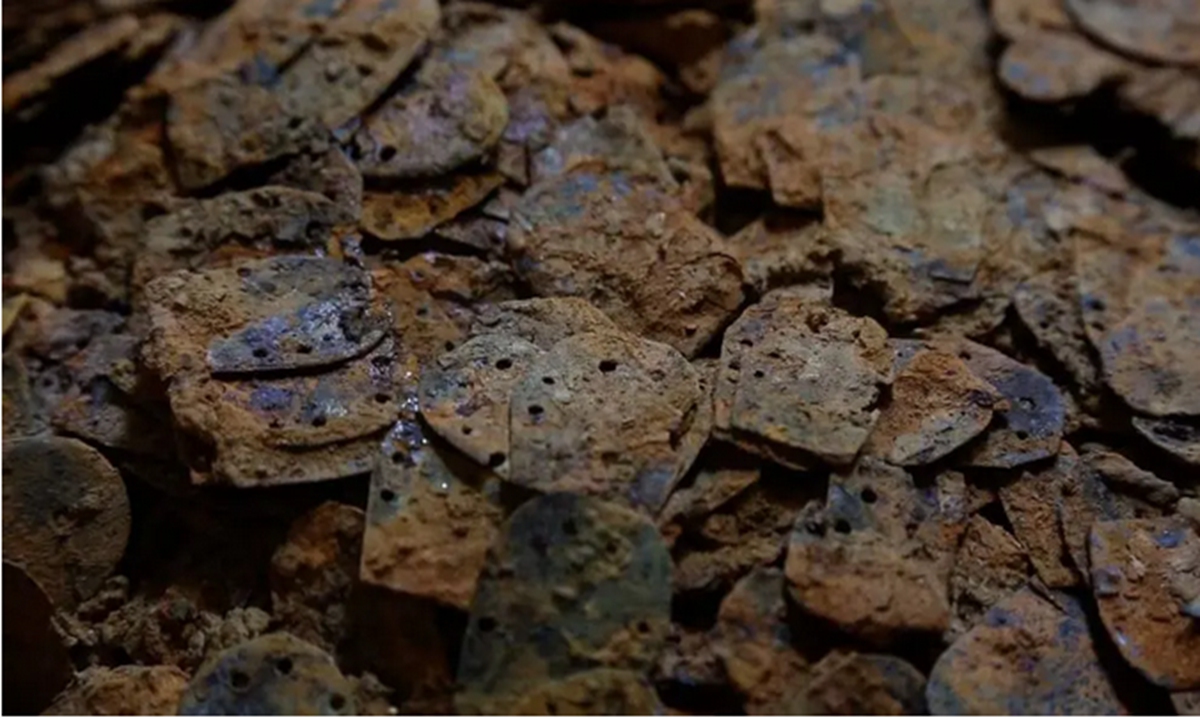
<point>635,357</point>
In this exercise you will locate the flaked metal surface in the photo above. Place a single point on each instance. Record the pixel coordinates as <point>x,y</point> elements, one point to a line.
<point>1046,306</point>
<point>276,674</point>
<point>1179,438</point>
<point>1160,32</point>
<point>571,584</point>
<point>411,213</point>
<point>850,683</point>
<point>456,255</point>
<point>295,429</point>
<point>432,514</point>
<point>1029,655</point>
<point>1124,476</point>
<point>432,298</point>
<point>542,321</point>
<point>1086,500</point>
<point>1058,67</point>
<point>235,227</point>
<point>937,405</point>
<point>989,565</point>
<point>1032,504</point>
<point>355,58</point>
<point>875,560</point>
<point>755,642</point>
<point>607,415</point>
<point>803,377</point>
<point>1137,298</point>
<point>124,690</point>
<point>283,313</point>
<point>1030,428</point>
<point>448,117</point>
<point>66,515</point>
<point>1146,581</point>
<point>221,124</point>
<point>465,395</point>
<point>625,246</point>
<point>313,573</point>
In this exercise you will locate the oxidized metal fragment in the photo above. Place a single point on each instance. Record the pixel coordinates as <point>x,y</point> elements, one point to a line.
<point>1161,31</point>
<point>1029,655</point>
<point>66,515</point>
<point>608,415</point>
<point>1032,503</point>
<point>848,683</point>
<point>410,213</point>
<point>542,321</point>
<point>276,674</point>
<point>875,561</point>
<point>124,690</point>
<point>447,118</point>
<point>801,376</point>
<point>431,516</point>
<point>465,395</point>
<point>284,313</point>
<point>1177,437</point>
<point>628,248</point>
<point>358,54</point>
<point>1146,581</point>
<point>755,642</point>
<point>937,405</point>
<point>572,584</point>
<point>313,573</point>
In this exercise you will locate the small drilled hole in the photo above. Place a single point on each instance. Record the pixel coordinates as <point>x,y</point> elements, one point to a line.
<point>547,381</point>
<point>467,430</point>
<point>497,459</point>
<point>397,457</point>
<point>382,397</point>
<point>319,421</point>
<point>387,153</point>
<point>337,702</point>
<point>607,366</point>
<point>259,353</point>
<point>449,346</point>
<point>1022,435</point>
<point>759,374</point>
<point>868,496</point>
<point>304,349</point>
<point>643,627</point>
<point>239,680</point>
<point>842,526</point>
<point>284,665</point>
<point>503,364</point>
<point>387,495</point>
<point>536,409</point>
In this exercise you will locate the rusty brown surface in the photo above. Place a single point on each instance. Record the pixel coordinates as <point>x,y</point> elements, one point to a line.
<point>1028,655</point>
<point>643,357</point>
<point>1146,578</point>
